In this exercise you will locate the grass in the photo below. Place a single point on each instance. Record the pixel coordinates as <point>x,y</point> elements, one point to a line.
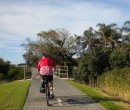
<point>103,99</point>
<point>13,95</point>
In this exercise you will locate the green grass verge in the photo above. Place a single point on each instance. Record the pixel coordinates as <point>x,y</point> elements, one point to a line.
<point>106,101</point>
<point>13,95</point>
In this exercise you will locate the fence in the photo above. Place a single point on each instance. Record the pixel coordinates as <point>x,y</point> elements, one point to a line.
<point>61,71</point>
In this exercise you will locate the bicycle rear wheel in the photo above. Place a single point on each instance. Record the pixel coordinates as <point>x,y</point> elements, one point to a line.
<point>47,94</point>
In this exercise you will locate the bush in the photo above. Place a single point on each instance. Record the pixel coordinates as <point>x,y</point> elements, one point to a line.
<point>91,65</point>
<point>119,58</point>
<point>116,83</point>
<point>1,76</point>
<point>15,73</point>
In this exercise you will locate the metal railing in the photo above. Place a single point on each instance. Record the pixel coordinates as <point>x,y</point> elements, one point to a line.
<point>61,71</point>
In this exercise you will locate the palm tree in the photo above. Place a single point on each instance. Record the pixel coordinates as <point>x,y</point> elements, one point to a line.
<point>127,24</point>
<point>126,31</point>
<point>107,34</point>
<point>78,44</point>
<point>89,38</point>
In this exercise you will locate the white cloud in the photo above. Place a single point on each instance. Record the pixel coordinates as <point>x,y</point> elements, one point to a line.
<point>2,46</point>
<point>29,20</point>
<point>25,18</point>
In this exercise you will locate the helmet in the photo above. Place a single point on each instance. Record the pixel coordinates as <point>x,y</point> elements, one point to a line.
<point>44,54</point>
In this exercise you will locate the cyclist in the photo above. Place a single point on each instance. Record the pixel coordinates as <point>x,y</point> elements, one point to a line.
<point>45,68</point>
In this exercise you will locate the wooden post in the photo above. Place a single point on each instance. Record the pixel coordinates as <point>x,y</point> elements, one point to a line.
<point>24,73</point>
<point>67,72</point>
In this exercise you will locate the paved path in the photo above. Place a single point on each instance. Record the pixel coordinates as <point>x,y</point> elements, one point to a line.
<point>66,98</point>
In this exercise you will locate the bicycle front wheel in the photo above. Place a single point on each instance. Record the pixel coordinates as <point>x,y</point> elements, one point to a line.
<point>47,94</point>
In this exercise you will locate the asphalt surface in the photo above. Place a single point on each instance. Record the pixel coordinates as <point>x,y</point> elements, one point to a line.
<point>66,98</point>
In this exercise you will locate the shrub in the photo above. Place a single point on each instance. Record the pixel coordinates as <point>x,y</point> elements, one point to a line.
<point>116,83</point>
<point>119,58</point>
<point>15,73</point>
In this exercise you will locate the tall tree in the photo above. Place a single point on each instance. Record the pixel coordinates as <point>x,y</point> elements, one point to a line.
<point>126,31</point>
<point>57,43</point>
<point>107,34</point>
<point>89,38</point>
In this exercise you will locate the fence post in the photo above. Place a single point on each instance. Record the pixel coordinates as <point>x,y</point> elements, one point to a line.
<point>24,73</point>
<point>67,73</point>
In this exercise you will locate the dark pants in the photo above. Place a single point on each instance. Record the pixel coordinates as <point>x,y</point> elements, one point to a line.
<point>46,78</point>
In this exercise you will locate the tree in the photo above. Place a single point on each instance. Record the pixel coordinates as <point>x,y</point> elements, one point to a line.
<point>89,38</point>
<point>9,72</point>
<point>91,65</point>
<point>126,32</point>
<point>4,67</point>
<point>107,34</point>
<point>14,73</point>
<point>119,58</point>
<point>58,44</point>
<point>86,42</point>
<point>78,45</point>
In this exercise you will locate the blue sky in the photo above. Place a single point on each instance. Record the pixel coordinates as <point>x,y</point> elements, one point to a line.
<point>20,19</point>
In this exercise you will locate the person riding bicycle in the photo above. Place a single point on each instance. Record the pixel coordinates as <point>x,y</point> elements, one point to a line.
<point>45,68</point>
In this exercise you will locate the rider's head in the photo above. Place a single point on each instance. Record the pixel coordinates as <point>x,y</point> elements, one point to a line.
<point>44,55</point>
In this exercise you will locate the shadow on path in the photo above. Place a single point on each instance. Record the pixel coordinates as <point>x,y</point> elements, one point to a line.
<point>72,100</point>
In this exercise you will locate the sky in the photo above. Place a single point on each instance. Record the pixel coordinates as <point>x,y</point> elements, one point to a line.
<point>21,19</point>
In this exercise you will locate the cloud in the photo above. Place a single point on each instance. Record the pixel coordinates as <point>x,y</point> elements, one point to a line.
<point>2,46</point>
<point>28,20</point>
<point>21,19</point>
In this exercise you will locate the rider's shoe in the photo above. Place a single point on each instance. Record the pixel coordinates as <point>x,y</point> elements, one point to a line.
<point>51,96</point>
<point>42,90</point>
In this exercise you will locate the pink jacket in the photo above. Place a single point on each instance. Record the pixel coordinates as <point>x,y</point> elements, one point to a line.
<point>45,66</point>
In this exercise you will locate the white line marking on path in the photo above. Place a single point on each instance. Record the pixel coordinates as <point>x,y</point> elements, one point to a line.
<point>59,101</point>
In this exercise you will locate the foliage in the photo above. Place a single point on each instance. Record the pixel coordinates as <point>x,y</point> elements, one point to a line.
<point>120,58</point>
<point>30,58</point>
<point>15,73</point>
<point>57,43</point>
<point>92,65</point>
<point>102,50</point>
<point>96,50</point>
<point>79,72</point>
<point>97,60</point>
<point>1,76</point>
<point>4,66</point>
<point>9,72</point>
<point>116,83</point>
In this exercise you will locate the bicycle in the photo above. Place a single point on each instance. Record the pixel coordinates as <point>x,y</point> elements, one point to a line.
<point>47,91</point>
